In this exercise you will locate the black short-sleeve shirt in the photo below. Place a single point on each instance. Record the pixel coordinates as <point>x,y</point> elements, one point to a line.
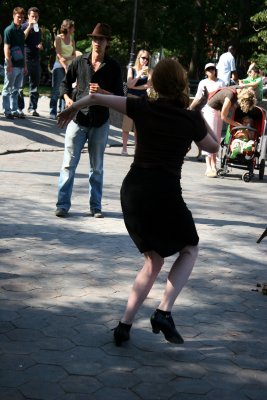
<point>217,100</point>
<point>165,131</point>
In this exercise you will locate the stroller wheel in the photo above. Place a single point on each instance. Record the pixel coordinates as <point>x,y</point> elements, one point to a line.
<point>247,176</point>
<point>261,169</point>
<point>221,172</point>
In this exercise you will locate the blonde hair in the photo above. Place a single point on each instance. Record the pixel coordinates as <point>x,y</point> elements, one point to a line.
<point>169,80</point>
<point>137,65</point>
<point>246,99</point>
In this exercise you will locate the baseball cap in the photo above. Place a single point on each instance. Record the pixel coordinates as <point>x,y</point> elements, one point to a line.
<point>209,65</point>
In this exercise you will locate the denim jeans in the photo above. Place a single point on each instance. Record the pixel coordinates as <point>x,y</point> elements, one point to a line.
<point>75,139</point>
<point>33,79</point>
<point>10,92</point>
<point>57,76</point>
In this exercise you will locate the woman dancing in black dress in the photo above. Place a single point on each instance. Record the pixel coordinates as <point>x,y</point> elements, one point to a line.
<point>154,211</point>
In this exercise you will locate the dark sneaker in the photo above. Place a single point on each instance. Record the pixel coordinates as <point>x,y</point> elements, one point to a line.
<point>9,116</point>
<point>97,213</point>
<point>18,114</point>
<point>22,115</point>
<point>61,212</point>
<point>34,113</point>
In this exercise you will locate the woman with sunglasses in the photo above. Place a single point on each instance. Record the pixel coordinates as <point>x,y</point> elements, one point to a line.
<point>212,83</point>
<point>154,212</point>
<point>138,81</point>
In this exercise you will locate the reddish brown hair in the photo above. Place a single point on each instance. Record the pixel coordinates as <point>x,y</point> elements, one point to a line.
<point>18,10</point>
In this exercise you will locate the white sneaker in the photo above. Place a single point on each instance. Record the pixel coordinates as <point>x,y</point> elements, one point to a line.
<point>211,173</point>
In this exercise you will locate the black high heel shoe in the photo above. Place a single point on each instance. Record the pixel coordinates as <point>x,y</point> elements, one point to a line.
<point>165,324</point>
<point>122,333</point>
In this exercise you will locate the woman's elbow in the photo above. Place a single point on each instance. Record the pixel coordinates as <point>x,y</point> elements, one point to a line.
<point>211,147</point>
<point>224,118</point>
<point>215,148</point>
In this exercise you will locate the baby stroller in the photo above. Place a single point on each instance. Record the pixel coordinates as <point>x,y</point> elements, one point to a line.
<point>249,161</point>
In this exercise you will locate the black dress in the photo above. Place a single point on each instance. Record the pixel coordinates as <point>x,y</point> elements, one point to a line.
<point>154,211</point>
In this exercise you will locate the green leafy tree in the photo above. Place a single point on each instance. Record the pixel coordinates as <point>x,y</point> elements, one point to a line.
<point>259,38</point>
<point>194,31</point>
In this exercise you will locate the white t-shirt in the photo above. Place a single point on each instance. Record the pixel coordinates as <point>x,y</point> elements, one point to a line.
<point>225,66</point>
<point>210,85</point>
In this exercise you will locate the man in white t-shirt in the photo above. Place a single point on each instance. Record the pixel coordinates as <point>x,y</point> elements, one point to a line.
<point>226,69</point>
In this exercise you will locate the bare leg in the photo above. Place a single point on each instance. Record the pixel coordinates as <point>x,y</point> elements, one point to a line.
<point>142,285</point>
<point>213,161</point>
<point>125,136</point>
<point>211,166</point>
<point>208,162</point>
<point>178,276</point>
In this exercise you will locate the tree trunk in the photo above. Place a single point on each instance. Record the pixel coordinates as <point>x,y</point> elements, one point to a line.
<point>198,36</point>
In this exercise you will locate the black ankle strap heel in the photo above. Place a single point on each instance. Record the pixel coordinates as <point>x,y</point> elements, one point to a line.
<point>163,322</point>
<point>122,333</point>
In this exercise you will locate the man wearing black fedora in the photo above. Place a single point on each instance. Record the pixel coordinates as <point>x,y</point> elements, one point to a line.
<point>95,72</point>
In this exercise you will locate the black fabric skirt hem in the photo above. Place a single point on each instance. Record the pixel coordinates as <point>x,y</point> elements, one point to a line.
<point>155,213</point>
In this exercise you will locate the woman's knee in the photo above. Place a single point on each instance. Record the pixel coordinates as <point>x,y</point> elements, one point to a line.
<point>154,260</point>
<point>191,251</point>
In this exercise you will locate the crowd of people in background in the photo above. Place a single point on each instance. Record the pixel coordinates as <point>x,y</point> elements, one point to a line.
<point>38,42</point>
<point>51,65</point>
<point>24,42</point>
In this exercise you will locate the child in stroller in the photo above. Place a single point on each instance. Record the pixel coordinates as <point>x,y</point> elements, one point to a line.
<point>249,159</point>
<point>243,140</point>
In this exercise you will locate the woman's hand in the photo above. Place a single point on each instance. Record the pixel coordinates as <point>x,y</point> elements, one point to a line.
<point>235,123</point>
<point>66,116</point>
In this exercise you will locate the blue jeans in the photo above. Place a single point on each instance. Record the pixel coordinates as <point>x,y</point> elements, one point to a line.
<point>10,92</point>
<point>75,139</point>
<point>33,78</point>
<point>57,76</point>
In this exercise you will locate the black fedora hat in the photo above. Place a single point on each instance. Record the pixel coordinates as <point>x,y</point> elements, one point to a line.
<point>101,30</point>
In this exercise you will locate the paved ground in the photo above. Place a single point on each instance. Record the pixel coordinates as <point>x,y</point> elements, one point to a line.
<point>64,284</point>
<point>42,134</point>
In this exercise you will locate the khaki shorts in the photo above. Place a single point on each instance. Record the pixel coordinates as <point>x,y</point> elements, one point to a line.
<point>127,123</point>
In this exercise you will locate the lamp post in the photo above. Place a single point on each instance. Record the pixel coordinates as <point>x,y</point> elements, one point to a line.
<point>132,53</point>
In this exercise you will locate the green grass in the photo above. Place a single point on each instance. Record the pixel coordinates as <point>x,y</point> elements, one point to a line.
<point>43,90</point>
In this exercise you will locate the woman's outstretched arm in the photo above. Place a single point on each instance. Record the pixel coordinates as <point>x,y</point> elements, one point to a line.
<point>118,103</point>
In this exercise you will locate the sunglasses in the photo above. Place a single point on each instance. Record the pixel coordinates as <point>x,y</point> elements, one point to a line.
<point>145,58</point>
<point>211,69</point>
